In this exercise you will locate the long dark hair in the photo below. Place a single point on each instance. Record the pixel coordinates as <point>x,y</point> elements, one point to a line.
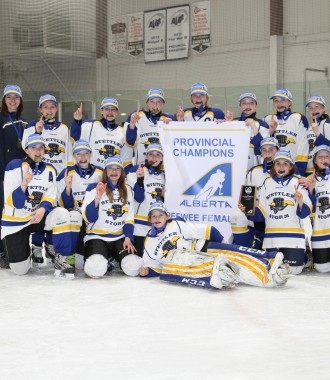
<point>4,108</point>
<point>121,186</point>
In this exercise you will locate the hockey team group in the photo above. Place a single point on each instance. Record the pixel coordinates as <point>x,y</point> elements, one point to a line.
<point>91,197</point>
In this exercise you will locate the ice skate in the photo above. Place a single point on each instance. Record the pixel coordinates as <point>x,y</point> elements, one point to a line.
<point>279,272</point>
<point>64,266</point>
<point>224,274</point>
<point>4,262</point>
<point>36,256</point>
<point>50,253</point>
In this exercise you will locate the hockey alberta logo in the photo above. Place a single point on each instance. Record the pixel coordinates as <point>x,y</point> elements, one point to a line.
<point>324,204</point>
<point>116,211</point>
<point>216,182</point>
<point>53,149</point>
<point>156,21</point>
<point>179,18</point>
<point>279,204</point>
<point>108,151</point>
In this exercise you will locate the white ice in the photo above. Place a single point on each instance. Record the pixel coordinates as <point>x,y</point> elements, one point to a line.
<point>133,328</point>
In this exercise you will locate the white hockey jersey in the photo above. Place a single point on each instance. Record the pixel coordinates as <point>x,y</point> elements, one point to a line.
<point>177,235</point>
<point>58,149</point>
<point>153,189</point>
<point>277,203</point>
<point>147,133</point>
<point>291,134</point>
<point>111,216</point>
<point>19,207</point>
<point>79,185</point>
<point>321,226</point>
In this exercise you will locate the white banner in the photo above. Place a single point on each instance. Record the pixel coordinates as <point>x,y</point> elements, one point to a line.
<point>155,35</point>
<point>205,167</point>
<point>177,32</point>
<point>135,34</point>
<point>200,26</point>
<point>118,35</point>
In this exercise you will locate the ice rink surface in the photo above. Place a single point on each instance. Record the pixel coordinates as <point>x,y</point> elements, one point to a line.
<point>133,328</point>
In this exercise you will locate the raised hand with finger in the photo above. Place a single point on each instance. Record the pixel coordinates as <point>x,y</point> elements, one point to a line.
<point>40,125</point>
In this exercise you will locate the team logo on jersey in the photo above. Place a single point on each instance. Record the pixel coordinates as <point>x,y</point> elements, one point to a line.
<point>53,149</point>
<point>156,194</point>
<point>35,198</point>
<point>214,183</point>
<point>279,204</point>
<point>324,204</point>
<point>151,140</point>
<point>108,151</point>
<point>116,211</point>
<point>311,144</point>
<point>169,245</point>
<point>284,140</point>
<point>79,203</point>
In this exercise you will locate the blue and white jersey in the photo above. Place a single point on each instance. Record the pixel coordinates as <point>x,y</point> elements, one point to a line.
<point>81,179</point>
<point>20,206</point>
<point>153,189</point>
<point>109,221</point>
<point>321,226</point>
<point>206,114</point>
<point>283,217</point>
<point>58,148</point>
<point>146,132</point>
<point>256,177</point>
<point>177,234</point>
<point>291,134</point>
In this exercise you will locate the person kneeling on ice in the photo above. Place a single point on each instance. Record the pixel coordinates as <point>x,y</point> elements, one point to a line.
<point>30,197</point>
<point>195,254</point>
<point>108,210</point>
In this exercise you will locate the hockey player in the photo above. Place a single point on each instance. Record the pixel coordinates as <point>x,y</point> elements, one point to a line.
<point>141,128</point>
<point>193,254</point>
<point>283,204</point>
<point>259,128</point>
<point>105,136</point>
<point>200,110</point>
<point>71,188</point>
<point>319,131</point>
<point>30,197</point>
<point>319,188</point>
<point>58,153</point>
<point>289,128</point>
<point>245,232</point>
<point>108,210</point>
<point>11,133</point>
<point>148,183</point>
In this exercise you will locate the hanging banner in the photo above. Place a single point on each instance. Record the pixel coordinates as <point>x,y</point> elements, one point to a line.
<point>205,165</point>
<point>200,26</point>
<point>118,35</point>
<point>135,34</point>
<point>177,32</point>
<point>155,35</point>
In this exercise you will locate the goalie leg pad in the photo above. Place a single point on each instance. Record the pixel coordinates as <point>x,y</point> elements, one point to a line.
<point>96,266</point>
<point>21,267</point>
<point>188,267</point>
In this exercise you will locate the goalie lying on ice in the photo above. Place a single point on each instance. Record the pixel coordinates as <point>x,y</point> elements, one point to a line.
<point>178,251</point>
